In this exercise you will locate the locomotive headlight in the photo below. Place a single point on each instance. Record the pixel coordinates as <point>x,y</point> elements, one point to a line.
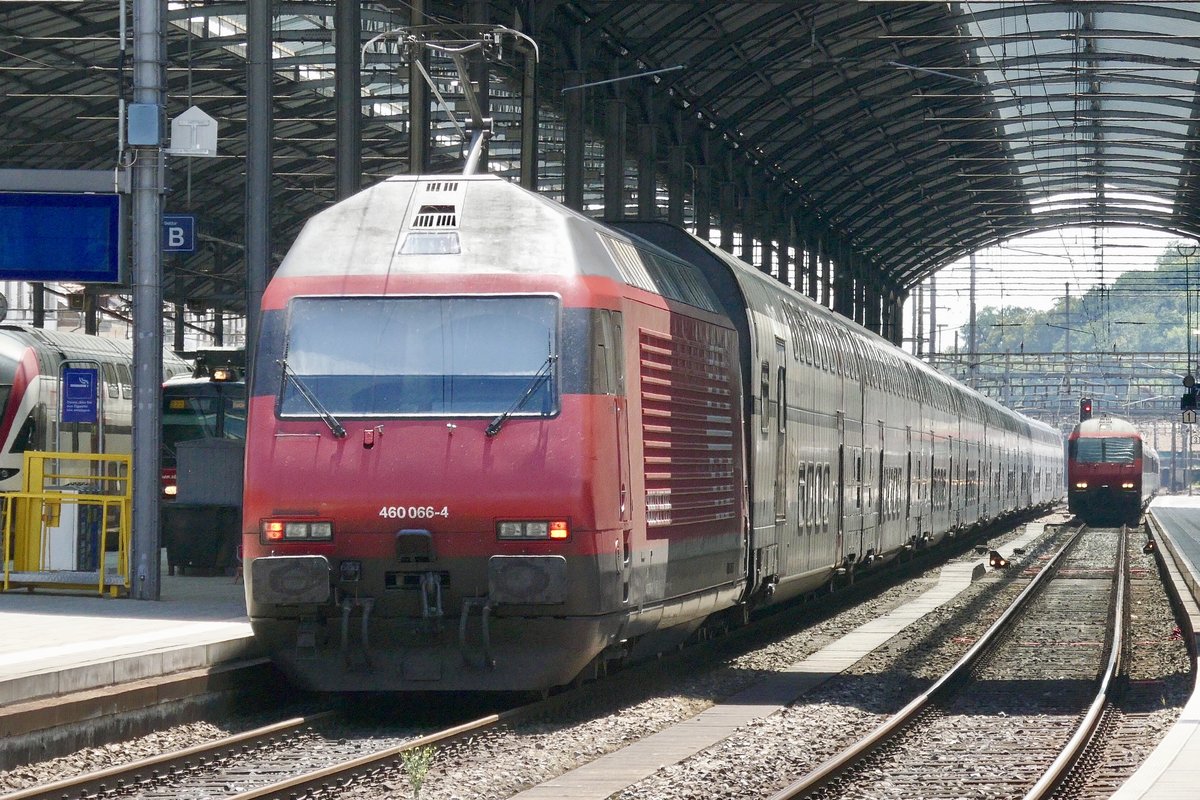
<point>533,529</point>
<point>1127,485</point>
<point>295,530</point>
<point>1081,485</point>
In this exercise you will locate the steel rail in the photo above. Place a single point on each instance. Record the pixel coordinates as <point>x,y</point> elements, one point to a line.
<point>1088,726</point>
<point>835,766</point>
<point>317,779</point>
<point>137,771</point>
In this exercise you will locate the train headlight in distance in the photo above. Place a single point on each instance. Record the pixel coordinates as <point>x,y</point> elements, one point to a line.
<point>296,530</point>
<point>1081,485</point>
<point>170,490</point>
<point>532,529</point>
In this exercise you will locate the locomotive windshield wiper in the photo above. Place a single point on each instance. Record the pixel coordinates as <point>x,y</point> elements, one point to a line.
<point>539,377</point>
<point>329,419</point>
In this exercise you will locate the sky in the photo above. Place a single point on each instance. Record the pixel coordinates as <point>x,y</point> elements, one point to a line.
<point>1033,272</point>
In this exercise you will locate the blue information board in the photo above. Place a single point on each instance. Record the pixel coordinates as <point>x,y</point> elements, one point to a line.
<point>79,395</point>
<point>60,237</point>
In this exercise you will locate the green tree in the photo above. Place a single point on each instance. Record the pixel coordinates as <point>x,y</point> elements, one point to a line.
<point>1141,311</point>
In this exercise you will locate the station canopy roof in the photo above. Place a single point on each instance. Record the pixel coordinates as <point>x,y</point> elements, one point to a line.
<point>916,132</point>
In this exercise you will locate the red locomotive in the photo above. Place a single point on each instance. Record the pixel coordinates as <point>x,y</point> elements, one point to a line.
<point>1111,471</point>
<point>495,445</point>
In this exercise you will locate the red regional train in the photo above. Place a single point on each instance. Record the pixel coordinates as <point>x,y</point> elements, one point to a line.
<point>1111,471</point>
<point>32,361</point>
<point>493,444</point>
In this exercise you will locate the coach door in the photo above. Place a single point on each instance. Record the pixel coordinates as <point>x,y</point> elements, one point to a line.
<point>839,492</point>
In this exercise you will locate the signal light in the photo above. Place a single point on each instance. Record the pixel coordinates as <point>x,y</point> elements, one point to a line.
<point>1085,409</point>
<point>997,561</point>
<point>1188,401</point>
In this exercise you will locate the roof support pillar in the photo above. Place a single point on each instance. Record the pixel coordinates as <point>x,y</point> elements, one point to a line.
<point>259,122</point>
<point>826,271</point>
<point>573,142</point>
<point>785,230</point>
<point>874,295</point>
<point>676,183</point>
<point>811,246</point>
<point>702,202</point>
<point>418,100</point>
<point>178,317</point>
<point>860,290</point>
<point>750,228</point>
<point>481,77</point>
<point>647,186</point>
<point>843,287</point>
<point>766,229</point>
<point>529,117</point>
<point>727,212</point>
<point>614,160</point>
<point>348,94</point>
<point>897,317</point>
<point>148,89</point>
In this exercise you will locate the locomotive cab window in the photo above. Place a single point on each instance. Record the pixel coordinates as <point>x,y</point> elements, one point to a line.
<point>421,356</point>
<point>1107,450</point>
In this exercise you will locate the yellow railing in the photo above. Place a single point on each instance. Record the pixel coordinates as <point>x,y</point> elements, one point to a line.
<point>58,528</point>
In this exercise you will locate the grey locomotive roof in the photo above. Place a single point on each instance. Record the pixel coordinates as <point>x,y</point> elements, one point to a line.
<point>488,225</point>
<point>1103,423</point>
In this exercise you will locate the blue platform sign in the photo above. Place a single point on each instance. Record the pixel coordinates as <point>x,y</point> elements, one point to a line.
<point>179,233</point>
<point>60,237</point>
<point>79,395</point>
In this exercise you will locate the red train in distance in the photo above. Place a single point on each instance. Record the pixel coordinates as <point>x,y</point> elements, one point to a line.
<point>496,445</point>
<point>1111,471</point>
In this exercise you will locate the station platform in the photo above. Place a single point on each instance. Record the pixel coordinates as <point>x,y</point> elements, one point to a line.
<point>56,644</point>
<point>1172,770</point>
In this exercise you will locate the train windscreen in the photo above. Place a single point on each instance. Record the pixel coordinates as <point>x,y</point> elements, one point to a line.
<point>413,356</point>
<point>201,411</point>
<point>1107,450</point>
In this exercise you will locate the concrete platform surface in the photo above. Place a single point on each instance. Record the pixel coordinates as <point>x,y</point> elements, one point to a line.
<point>1172,770</point>
<point>57,643</point>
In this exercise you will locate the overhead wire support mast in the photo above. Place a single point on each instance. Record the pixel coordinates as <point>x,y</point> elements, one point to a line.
<point>457,42</point>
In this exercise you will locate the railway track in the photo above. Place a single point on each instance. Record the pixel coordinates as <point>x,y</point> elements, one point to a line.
<point>978,731</point>
<point>296,760</point>
<point>279,760</point>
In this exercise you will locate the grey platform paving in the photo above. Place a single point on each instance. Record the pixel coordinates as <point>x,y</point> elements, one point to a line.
<point>1172,771</point>
<point>613,772</point>
<point>54,644</point>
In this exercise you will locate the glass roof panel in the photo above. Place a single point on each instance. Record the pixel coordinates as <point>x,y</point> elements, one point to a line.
<point>1109,94</point>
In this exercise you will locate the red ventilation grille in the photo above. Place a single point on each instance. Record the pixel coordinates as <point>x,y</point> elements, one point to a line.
<point>688,424</point>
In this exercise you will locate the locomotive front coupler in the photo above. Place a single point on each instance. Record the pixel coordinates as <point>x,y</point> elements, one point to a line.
<point>485,613</point>
<point>348,604</point>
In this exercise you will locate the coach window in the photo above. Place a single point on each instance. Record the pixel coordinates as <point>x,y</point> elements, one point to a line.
<point>110,378</point>
<point>126,378</point>
<point>764,389</point>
